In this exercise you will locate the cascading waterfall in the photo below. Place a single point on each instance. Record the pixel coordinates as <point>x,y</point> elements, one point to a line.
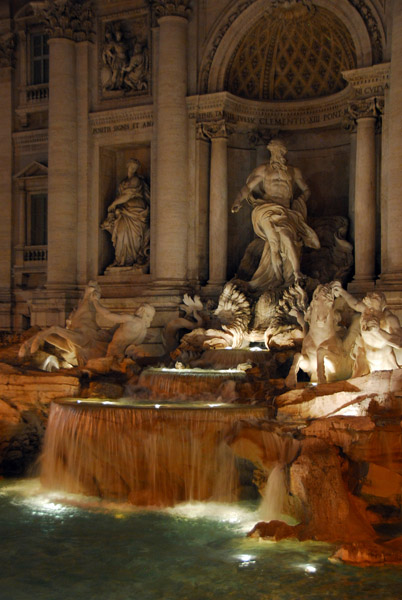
<point>275,493</point>
<point>169,383</point>
<point>148,456</point>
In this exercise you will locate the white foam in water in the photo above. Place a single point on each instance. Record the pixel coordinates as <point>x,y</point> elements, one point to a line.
<point>243,517</point>
<point>31,493</point>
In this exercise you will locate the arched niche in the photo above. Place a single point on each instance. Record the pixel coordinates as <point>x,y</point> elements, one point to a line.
<point>368,38</point>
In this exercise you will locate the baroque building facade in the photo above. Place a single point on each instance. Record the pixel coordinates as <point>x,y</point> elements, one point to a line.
<point>129,126</point>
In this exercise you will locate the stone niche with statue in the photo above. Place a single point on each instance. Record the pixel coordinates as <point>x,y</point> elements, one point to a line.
<point>266,300</point>
<point>125,217</point>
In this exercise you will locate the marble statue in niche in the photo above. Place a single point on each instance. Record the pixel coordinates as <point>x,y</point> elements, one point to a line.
<point>125,60</point>
<point>127,220</point>
<point>279,219</point>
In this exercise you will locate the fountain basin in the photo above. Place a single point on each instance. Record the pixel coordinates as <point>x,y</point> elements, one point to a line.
<point>166,382</point>
<point>147,455</point>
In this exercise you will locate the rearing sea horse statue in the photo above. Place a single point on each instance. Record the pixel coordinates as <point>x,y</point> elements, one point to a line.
<point>81,339</point>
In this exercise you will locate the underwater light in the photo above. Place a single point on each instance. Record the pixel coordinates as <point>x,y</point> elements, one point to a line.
<point>157,405</point>
<point>256,349</point>
<point>246,558</point>
<point>215,405</point>
<point>310,569</point>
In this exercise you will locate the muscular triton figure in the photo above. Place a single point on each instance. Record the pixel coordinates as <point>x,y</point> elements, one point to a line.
<point>380,332</point>
<point>278,218</point>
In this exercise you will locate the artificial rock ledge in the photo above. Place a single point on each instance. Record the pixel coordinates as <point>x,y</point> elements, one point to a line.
<point>25,398</point>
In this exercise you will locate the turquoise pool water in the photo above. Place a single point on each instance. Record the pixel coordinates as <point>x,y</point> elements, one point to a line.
<point>81,549</point>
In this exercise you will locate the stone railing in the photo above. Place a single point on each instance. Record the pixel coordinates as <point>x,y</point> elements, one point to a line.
<point>37,93</point>
<point>35,254</point>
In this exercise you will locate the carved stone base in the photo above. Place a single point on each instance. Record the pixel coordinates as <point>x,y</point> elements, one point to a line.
<point>127,269</point>
<point>390,281</point>
<point>361,286</point>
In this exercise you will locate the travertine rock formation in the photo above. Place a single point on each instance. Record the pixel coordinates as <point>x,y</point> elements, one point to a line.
<point>25,399</point>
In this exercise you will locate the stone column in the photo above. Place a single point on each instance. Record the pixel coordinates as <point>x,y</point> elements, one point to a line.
<point>6,173</point>
<point>65,23</point>
<point>218,203</point>
<point>171,143</point>
<point>365,112</point>
<point>62,178</point>
<point>391,277</point>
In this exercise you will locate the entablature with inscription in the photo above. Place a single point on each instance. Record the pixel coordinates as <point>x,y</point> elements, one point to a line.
<point>130,119</point>
<point>369,81</point>
<point>248,115</point>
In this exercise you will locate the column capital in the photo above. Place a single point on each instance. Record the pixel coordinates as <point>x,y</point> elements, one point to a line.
<point>7,47</point>
<point>200,132</point>
<point>71,19</point>
<point>170,8</point>
<point>215,129</point>
<point>365,108</point>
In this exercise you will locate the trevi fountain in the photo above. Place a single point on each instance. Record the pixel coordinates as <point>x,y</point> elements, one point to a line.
<point>256,451</point>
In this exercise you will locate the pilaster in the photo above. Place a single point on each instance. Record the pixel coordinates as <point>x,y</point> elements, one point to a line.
<point>391,276</point>
<point>85,268</point>
<point>7,44</point>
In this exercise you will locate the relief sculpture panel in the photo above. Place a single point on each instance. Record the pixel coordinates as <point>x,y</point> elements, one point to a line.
<point>125,58</point>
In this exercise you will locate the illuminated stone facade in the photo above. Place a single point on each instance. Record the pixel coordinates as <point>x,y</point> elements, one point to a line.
<point>193,91</point>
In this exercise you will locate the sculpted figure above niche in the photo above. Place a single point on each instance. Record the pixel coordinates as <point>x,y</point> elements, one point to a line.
<point>125,58</point>
<point>279,218</point>
<point>128,221</point>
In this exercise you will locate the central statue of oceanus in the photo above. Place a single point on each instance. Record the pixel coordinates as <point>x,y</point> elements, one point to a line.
<point>279,218</point>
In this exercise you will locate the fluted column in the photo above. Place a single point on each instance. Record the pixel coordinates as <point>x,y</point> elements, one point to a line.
<point>171,143</point>
<point>391,276</point>
<point>365,112</point>
<point>218,203</point>
<point>6,171</point>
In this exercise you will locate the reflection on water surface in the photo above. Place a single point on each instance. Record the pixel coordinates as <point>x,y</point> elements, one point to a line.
<point>78,548</point>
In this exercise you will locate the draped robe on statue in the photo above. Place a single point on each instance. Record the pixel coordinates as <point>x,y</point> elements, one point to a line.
<point>129,223</point>
<point>272,222</point>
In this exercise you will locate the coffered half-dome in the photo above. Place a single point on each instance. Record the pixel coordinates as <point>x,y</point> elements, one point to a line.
<point>294,52</point>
